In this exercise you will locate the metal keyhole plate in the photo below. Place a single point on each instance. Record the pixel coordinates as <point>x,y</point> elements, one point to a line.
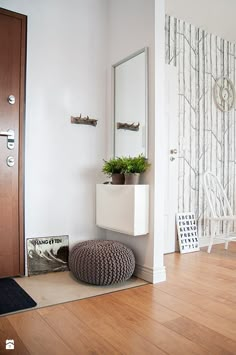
<point>11,99</point>
<point>10,161</point>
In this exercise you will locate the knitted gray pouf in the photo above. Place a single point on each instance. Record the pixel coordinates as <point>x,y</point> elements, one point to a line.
<point>101,262</point>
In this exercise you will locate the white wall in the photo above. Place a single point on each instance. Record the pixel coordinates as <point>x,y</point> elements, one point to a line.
<point>67,64</point>
<point>66,75</point>
<point>132,27</point>
<point>215,16</point>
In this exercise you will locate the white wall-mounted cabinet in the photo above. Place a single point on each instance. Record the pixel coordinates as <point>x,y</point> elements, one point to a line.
<point>123,208</point>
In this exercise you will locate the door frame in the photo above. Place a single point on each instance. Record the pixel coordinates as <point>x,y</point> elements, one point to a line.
<point>171,201</point>
<point>21,147</point>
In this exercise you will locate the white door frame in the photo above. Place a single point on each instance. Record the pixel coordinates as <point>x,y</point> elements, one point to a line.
<point>171,201</point>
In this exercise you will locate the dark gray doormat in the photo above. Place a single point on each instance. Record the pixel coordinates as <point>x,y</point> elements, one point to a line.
<point>13,298</point>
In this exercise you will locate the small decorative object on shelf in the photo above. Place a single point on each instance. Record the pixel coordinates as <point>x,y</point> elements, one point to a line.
<point>187,232</point>
<point>128,126</point>
<point>133,167</point>
<point>84,120</point>
<point>114,168</point>
<point>125,169</point>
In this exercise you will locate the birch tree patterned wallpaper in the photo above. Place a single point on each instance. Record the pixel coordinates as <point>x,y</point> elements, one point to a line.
<point>207,136</point>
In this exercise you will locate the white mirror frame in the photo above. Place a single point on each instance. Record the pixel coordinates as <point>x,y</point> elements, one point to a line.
<point>143,50</point>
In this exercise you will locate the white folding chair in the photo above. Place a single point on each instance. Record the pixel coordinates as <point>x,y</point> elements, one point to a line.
<point>220,209</point>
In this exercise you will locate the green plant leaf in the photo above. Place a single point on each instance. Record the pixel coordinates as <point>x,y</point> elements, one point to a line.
<point>129,165</point>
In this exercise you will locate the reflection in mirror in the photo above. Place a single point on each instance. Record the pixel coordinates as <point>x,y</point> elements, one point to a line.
<point>131,105</point>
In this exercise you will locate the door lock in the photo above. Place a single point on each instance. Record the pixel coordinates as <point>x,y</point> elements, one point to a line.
<point>172,158</point>
<point>10,161</point>
<point>11,99</point>
<point>10,134</point>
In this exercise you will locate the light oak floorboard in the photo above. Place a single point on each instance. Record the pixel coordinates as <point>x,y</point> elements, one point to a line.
<point>124,318</point>
<point>38,337</point>
<point>66,325</point>
<point>112,327</point>
<point>7,331</point>
<point>192,296</point>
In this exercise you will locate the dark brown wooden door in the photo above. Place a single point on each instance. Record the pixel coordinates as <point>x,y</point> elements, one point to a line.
<point>12,82</point>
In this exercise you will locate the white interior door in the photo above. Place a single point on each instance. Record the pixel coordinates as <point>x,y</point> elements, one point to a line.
<point>171,207</point>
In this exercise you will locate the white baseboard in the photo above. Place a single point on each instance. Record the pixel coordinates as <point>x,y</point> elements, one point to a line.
<point>149,274</point>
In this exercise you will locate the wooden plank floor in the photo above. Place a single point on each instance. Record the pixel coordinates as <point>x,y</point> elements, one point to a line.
<point>193,312</point>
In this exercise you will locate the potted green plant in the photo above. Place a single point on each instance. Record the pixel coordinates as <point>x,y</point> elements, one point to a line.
<point>133,167</point>
<point>114,168</point>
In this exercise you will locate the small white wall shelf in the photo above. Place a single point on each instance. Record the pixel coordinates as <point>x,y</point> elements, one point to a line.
<point>123,208</point>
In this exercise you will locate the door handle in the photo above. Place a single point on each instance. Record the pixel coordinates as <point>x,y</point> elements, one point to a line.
<point>10,134</point>
<point>173,151</point>
<point>7,134</point>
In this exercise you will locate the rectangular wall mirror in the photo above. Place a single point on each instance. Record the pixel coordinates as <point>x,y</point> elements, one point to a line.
<point>131,105</point>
